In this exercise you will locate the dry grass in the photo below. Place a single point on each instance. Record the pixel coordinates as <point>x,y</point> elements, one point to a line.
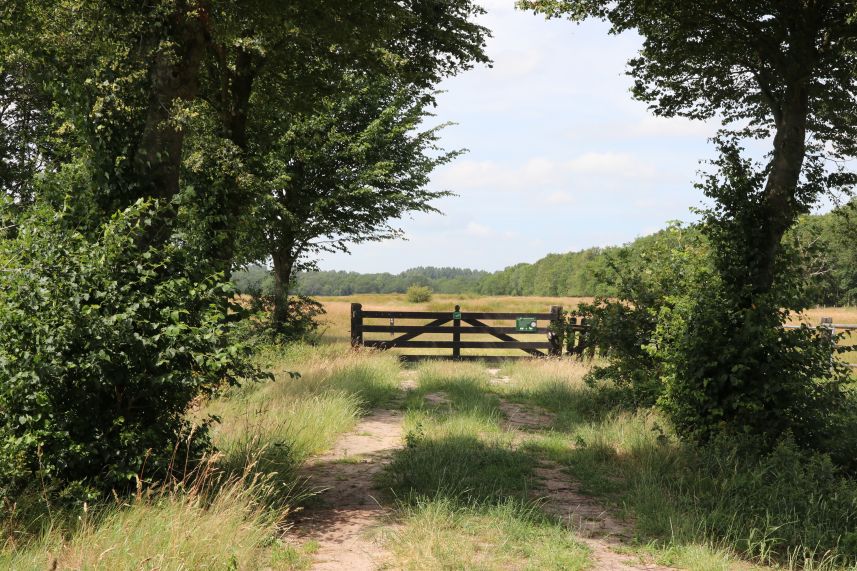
<point>217,523</point>
<point>230,518</point>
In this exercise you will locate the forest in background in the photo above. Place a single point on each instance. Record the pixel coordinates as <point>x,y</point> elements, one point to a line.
<point>824,245</point>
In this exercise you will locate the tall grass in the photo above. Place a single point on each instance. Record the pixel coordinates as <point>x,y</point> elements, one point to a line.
<point>786,508</point>
<point>229,513</point>
<point>213,520</point>
<point>462,485</point>
<point>440,533</point>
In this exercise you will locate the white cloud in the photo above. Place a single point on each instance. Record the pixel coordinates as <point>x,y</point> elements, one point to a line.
<point>476,229</point>
<point>559,197</point>
<point>511,64</point>
<point>611,164</point>
<point>539,173</point>
<point>554,137</point>
<point>672,127</point>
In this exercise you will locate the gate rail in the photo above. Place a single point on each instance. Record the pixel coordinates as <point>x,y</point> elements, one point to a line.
<point>438,323</point>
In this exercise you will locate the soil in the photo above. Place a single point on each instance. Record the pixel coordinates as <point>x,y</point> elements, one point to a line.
<point>561,497</point>
<point>438,398</point>
<point>349,523</point>
<point>525,417</point>
<point>350,520</point>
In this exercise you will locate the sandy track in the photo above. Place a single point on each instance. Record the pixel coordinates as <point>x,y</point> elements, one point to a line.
<point>350,513</point>
<point>561,497</point>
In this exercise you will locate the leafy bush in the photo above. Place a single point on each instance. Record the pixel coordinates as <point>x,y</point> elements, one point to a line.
<point>419,294</point>
<point>301,323</point>
<point>662,270</point>
<point>104,343</point>
<point>690,333</point>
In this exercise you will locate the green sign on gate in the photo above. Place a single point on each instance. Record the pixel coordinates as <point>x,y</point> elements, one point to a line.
<point>456,315</point>
<point>526,324</point>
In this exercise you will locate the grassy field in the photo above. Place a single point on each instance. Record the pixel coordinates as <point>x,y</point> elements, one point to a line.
<point>464,489</point>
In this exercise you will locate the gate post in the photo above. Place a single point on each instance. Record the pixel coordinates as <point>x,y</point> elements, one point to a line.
<point>356,325</point>
<point>554,336</point>
<point>456,334</point>
<point>581,337</point>
<point>830,331</point>
<point>571,336</point>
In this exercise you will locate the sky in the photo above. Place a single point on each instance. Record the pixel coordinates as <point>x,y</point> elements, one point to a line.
<point>560,157</point>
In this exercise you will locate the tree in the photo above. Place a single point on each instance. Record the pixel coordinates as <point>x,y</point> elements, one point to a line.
<point>342,175</point>
<point>777,70</point>
<point>785,70</point>
<point>166,100</point>
<point>163,99</point>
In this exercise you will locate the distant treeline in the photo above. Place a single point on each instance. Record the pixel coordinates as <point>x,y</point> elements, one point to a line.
<point>441,280</point>
<point>825,244</point>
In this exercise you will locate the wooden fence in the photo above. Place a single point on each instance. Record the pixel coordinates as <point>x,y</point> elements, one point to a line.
<point>457,324</point>
<point>834,328</point>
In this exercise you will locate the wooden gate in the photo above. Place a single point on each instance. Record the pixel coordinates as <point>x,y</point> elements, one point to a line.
<point>463,324</point>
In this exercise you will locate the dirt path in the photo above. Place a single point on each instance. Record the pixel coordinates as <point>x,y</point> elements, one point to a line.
<point>343,526</point>
<point>348,524</point>
<point>591,521</point>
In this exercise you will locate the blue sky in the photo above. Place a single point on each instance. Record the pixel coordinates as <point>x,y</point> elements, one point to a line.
<point>560,156</point>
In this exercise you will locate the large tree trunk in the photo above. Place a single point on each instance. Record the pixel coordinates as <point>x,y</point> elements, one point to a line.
<point>236,86</point>
<point>174,77</point>
<point>284,263</point>
<point>780,207</point>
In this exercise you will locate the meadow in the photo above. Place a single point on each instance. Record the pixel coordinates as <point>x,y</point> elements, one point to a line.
<point>486,474</point>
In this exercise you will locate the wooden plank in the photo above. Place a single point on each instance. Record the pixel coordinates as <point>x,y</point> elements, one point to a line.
<point>456,335</point>
<point>448,315</point>
<point>412,334</point>
<point>476,323</point>
<point>555,340</point>
<point>356,324</point>
<point>483,358</point>
<point>408,315</point>
<point>449,329</point>
<point>393,343</point>
<point>540,316</point>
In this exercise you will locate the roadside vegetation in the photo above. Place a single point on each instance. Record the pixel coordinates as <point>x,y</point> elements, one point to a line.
<point>150,418</point>
<point>821,242</point>
<point>463,486</point>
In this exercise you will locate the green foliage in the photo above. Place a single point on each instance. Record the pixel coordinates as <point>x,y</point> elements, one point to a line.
<point>730,364</point>
<point>301,322</point>
<point>253,281</point>
<point>767,70</point>
<point>419,294</point>
<point>104,343</point>
<point>584,273</point>
<point>689,333</point>
<point>828,259</point>
<point>651,277</point>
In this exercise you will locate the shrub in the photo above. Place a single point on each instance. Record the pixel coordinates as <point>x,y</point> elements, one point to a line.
<point>685,333</point>
<point>419,294</point>
<point>301,323</point>
<point>650,279</point>
<point>104,343</point>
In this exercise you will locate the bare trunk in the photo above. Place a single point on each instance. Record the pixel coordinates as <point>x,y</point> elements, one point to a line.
<point>283,265</point>
<point>174,77</point>
<point>780,206</point>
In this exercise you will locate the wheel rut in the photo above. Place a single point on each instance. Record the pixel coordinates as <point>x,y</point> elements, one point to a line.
<point>348,523</point>
<point>561,497</point>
